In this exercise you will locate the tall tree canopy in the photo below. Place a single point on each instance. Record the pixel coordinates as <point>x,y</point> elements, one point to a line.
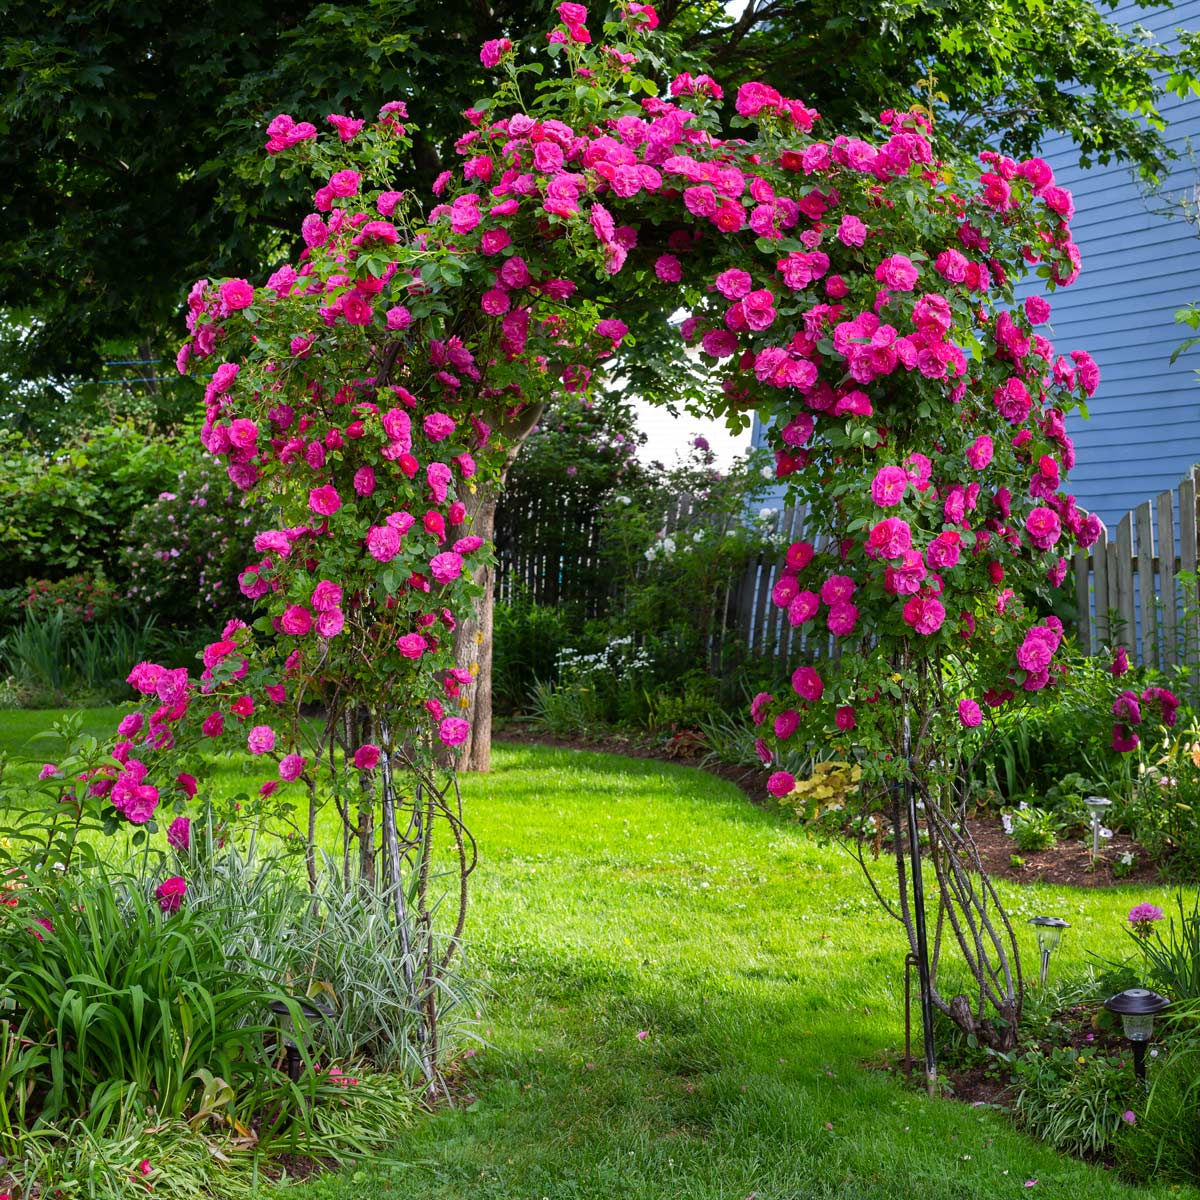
<point>131,157</point>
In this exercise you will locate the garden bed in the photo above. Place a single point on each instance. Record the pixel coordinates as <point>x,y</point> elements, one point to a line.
<point>1069,863</point>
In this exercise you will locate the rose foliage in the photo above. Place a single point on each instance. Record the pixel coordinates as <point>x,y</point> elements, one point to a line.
<point>857,295</point>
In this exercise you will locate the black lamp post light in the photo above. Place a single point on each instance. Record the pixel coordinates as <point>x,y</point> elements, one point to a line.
<point>1049,933</point>
<point>1137,1008</point>
<point>312,1013</point>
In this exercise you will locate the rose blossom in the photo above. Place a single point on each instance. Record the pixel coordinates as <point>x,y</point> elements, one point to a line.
<point>261,739</point>
<point>780,784</point>
<point>807,684</point>
<point>324,500</point>
<point>888,486</point>
<point>453,731</point>
<point>179,834</point>
<point>170,893</point>
<point>366,757</point>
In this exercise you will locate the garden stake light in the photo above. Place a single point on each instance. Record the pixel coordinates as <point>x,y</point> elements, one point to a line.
<point>1137,1007</point>
<point>311,1014</point>
<point>1096,806</point>
<point>1049,933</point>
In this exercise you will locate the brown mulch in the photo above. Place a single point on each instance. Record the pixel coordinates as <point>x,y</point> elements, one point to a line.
<point>1067,864</point>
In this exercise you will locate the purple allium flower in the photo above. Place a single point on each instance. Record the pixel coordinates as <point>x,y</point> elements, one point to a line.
<point>1142,918</point>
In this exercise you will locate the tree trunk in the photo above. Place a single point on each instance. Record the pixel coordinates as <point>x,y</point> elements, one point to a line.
<point>473,637</point>
<point>473,642</point>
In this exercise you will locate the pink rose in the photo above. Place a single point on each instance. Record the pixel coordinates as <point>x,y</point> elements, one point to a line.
<point>438,426</point>
<point>780,784</point>
<point>446,568</point>
<point>924,614</point>
<point>291,766</point>
<point>888,486</point>
<point>324,500</point>
<point>330,623</point>
<point>969,714</point>
<point>237,294</point>
<point>344,183</point>
<point>890,538</point>
<point>851,232</point>
<point>807,684</point>
<point>326,595</point>
<point>179,834</point>
<point>842,619</point>
<point>412,645</point>
<point>979,454</point>
<point>786,724</point>
<point>366,757</point>
<point>493,51</point>
<point>383,543</point>
<point>261,740</point>
<point>453,731</point>
<point>898,273</point>
<point>734,284</point>
<point>1043,527</point>
<point>170,893</point>
<point>296,620</point>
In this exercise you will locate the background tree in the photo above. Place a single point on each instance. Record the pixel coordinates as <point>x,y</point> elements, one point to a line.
<point>131,157</point>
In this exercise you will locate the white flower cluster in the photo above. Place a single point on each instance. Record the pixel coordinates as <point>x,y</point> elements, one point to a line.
<point>620,657</point>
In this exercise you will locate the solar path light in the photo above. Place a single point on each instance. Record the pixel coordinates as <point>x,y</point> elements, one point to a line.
<point>1096,806</point>
<point>1049,933</point>
<point>1137,1008</point>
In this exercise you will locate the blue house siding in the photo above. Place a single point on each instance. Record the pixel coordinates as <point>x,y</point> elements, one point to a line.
<point>1140,265</point>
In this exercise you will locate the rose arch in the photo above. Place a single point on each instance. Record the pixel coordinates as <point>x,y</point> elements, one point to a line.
<point>856,295</point>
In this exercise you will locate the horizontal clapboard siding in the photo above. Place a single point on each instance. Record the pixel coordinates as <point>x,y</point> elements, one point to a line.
<point>1141,263</point>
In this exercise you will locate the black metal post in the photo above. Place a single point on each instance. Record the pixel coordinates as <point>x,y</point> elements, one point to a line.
<point>293,1062</point>
<point>914,851</point>
<point>1139,1061</point>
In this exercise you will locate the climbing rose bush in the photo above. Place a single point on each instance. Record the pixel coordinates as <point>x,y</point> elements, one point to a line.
<point>858,295</point>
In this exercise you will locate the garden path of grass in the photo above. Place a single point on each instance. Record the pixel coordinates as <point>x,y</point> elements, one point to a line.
<point>620,895</point>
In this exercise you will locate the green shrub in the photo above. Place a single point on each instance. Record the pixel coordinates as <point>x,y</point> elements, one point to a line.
<point>1163,812</point>
<point>1067,732</point>
<point>1073,1099</point>
<point>184,548</point>
<point>1031,828</point>
<point>55,659</point>
<point>62,511</point>
<point>84,598</point>
<point>127,1002</point>
<point>526,641</point>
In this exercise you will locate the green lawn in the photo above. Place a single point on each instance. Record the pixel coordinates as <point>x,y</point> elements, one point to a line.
<point>616,896</point>
<point>619,895</point>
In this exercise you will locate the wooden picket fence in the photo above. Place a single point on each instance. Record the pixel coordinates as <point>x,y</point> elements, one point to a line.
<point>1128,587</point>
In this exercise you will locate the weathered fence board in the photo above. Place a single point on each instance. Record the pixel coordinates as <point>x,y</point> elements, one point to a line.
<point>1169,600</point>
<point>1131,592</point>
<point>1145,577</point>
